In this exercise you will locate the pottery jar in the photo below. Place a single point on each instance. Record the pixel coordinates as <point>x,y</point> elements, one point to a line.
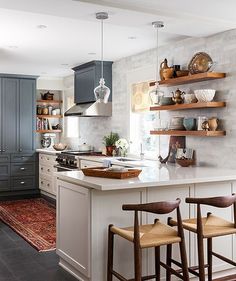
<point>213,123</point>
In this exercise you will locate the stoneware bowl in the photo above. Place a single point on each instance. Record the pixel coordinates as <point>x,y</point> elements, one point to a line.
<point>60,146</point>
<point>205,95</point>
<point>190,124</point>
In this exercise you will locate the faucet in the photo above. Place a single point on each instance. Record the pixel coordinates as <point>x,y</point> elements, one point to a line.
<point>141,152</point>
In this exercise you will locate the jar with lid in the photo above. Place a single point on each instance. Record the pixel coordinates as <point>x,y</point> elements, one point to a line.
<point>39,109</point>
<point>45,110</point>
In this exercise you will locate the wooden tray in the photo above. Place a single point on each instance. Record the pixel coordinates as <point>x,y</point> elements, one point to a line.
<point>99,172</point>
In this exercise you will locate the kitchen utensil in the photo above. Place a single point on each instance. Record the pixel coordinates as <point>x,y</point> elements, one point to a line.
<point>181,73</point>
<point>176,123</point>
<point>213,123</point>
<point>200,120</point>
<point>60,146</point>
<point>205,95</point>
<point>178,96</point>
<point>190,98</point>
<point>201,62</point>
<point>85,147</point>
<point>168,73</point>
<point>190,124</point>
<point>166,101</point>
<point>184,153</point>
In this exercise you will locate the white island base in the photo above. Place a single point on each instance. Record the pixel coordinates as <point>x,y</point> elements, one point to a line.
<point>86,206</point>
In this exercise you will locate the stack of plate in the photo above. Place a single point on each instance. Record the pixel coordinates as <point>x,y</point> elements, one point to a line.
<point>177,123</point>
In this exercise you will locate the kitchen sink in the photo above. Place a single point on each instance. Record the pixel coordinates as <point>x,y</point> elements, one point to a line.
<point>126,159</point>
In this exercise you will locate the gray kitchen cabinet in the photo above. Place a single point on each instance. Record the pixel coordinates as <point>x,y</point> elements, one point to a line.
<point>10,113</point>
<point>87,77</point>
<point>17,130</point>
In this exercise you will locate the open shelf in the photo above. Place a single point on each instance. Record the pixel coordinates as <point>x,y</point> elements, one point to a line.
<point>49,116</point>
<point>48,131</point>
<point>197,105</point>
<point>50,101</point>
<point>194,78</point>
<point>190,133</point>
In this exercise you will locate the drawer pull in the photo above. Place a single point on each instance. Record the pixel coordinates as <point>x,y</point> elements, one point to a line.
<point>41,168</point>
<point>41,182</point>
<point>22,182</point>
<point>48,184</point>
<point>49,170</point>
<point>48,159</point>
<point>22,169</point>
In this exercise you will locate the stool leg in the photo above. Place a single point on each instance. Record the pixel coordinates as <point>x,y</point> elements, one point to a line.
<point>184,260</point>
<point>157,264</point>
<point>110,253</point>
<point>201,258</point>
<point>209,258</point>
<point>137,263</point>
<point>168,260</point>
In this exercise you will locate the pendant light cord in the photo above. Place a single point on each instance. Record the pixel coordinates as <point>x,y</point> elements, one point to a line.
<point>102,48</point>
<point>157,66</point>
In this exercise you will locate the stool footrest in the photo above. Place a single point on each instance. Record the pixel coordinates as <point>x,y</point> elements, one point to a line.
<point>224,258</point>
<point>173,271</point>
<point>144,278</point>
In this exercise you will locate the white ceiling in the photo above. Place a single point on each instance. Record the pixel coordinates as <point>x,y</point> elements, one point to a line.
<point>72,30</point>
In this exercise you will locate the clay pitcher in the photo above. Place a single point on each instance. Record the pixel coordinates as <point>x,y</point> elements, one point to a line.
<point>213,123</point>
<point>163,65</point>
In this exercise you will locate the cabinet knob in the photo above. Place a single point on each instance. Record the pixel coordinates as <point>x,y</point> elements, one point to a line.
<point>48,184</point>
<point>3,150</point>
<point>22,169</point>
<point>41,182</point>
<point>48,170</point>
<point>41,168</point>
<point>22,182</point>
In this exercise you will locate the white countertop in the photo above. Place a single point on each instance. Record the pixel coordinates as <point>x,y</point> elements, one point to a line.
<point>152,177</point>
<point>47,151</point>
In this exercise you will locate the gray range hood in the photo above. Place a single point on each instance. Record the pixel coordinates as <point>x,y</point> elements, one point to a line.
<point>90,110</point>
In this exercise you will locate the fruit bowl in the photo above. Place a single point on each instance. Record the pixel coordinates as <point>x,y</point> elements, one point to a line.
<point>60,146</point>
<point>205,95</point>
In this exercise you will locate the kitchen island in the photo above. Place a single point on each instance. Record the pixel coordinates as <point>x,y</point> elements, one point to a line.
<point>87,205</point>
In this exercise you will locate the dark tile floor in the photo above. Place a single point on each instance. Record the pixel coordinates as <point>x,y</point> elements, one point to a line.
<point>21,262</point>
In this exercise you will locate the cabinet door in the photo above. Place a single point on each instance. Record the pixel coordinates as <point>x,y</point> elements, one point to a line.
<point>84,85</point>
<point>10,112</point>
<point>26,115</point>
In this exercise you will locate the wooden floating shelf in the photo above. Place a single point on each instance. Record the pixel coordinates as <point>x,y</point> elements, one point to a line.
<point>49,116</point>
<point>194,78</point>
<point>50,101</point>
<point>190,133</point>
<point>197,105</point>
<point>48,131</point>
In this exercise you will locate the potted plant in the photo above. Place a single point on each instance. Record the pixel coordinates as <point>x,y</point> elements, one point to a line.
<point>110,141</point>
<point>122,145</point>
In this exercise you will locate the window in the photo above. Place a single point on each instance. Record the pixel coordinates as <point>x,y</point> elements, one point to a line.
<point>142,122</point>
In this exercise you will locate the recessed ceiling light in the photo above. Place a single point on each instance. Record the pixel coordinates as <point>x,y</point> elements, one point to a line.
<point>92,54</point>
<point>64,64</point>
<point>43,72</point>
<point>13,47</point>
<point>41,26</point>
<point>132,37</point>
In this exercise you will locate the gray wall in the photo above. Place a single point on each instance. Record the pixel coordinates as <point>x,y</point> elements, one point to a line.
<point>222,48</point>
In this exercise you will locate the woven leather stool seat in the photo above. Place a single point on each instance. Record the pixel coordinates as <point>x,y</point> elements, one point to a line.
<point>212,226</point>
<point>151,235</point>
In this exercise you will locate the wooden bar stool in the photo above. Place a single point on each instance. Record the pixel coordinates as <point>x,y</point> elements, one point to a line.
<point>150,236</point>
<point>207,228</point>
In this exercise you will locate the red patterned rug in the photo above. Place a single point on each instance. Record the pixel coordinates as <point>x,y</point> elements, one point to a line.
<point>33,219</point>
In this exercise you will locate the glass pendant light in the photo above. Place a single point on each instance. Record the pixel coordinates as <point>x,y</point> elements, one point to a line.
<point>102,92</point>
<point>156,94</point>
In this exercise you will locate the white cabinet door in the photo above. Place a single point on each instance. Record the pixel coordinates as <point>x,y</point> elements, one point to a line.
<point>222,245</point>
<point>73,225</point>
<point>89,164</point>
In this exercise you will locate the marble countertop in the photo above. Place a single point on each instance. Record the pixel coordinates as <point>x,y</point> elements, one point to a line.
<point>154,176</point>
<point>47,151</point>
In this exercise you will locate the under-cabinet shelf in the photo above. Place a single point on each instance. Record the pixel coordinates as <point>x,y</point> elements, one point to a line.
<point>48,131</point>
<point>190,133</point>
<point>50,101</point>
<point>49,116</point>
<point>194,78</point>
<point>197,105</point>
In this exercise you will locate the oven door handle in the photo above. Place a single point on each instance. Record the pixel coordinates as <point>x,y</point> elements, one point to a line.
<point>63,168</point>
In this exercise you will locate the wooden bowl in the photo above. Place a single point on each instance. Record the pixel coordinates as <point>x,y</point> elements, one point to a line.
<point>181,73</point>
<point>185,162</point>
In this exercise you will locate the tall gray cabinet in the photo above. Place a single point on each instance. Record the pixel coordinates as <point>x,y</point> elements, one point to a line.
<point>17,131</point>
